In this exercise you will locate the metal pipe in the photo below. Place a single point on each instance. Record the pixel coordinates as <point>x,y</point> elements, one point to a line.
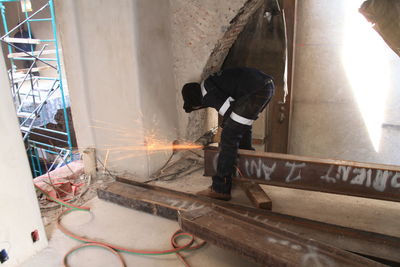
<point>47,145</point>
<point>47,78</point>
<point>38,161</point>
<point>53,22</point>
<point>41,59</point>
<point>49,130</point>
<point>3,15</point>
<point>47,136</point>
<point>40,20</point>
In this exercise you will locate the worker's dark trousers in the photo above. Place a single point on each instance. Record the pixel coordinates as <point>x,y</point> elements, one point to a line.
<point>238,135</point>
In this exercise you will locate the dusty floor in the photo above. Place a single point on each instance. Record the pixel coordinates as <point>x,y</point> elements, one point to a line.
<point>50,210</point>
<point>135,229</point>
<point>126,227</point>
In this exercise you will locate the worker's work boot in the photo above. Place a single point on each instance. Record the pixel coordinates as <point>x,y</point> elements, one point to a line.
<point>209,192</point>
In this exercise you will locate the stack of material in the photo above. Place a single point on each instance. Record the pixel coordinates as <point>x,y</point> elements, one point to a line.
<point>62,183</point>
<point>267,237</point>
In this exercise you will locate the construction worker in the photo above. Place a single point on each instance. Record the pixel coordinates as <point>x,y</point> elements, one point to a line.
<point>239,95</point>
<point>25,47</point>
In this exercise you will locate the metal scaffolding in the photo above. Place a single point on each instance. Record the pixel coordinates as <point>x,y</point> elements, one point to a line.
<point>32,92</point>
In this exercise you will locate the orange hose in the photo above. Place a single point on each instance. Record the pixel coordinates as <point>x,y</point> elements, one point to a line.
<point>113,248</point>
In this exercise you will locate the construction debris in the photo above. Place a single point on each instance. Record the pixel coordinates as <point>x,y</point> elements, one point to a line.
<point>63,182</point>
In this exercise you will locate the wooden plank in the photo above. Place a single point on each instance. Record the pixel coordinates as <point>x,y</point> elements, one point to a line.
<point>369,180</point>
<point>256,195</point>
<point>35,53</point>
<point>34,69</point>
<point>22,40</point>
<point>167,203</point>
<point>267,246</point>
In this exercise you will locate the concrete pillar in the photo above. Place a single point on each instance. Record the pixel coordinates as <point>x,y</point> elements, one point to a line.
<point>118,62</point>
<point>20,214</point>
<point>346,87</point>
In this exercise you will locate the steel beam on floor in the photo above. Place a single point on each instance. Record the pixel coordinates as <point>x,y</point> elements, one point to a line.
<point>268,246</point>
<point>325,175</point>
<point>167,203</point>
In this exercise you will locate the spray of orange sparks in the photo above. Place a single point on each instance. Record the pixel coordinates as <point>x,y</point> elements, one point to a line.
<point>152,143</point>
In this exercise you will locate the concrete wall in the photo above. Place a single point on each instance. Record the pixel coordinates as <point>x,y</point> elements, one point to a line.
<point>20,214</point>
<point>346,86</point>
<point>202,33</point>
<point>120,78</point>
<point>125,76</point>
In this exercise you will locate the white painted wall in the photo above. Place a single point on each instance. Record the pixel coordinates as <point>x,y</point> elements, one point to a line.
<point>118,63</point>
<point>126,65</point>
<point>346,86</point>
<point>20,214</point>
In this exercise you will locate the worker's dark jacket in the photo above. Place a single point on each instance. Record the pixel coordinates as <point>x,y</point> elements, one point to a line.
<point>21,47</point>
<point>239,95</point>
<point>232,89</point>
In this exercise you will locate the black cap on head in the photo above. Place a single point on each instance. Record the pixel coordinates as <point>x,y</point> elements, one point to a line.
<point>192,97</point>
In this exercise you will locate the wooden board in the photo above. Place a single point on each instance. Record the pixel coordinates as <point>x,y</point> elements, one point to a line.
<point>167,203</point>
<point>256,195</point>
<point>35,53</point>
<point>23,71</point>
<point>22,40</point>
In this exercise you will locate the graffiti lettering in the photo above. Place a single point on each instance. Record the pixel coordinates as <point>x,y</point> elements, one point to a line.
<point>395,180</point>
<point>260,169</point>
<point>343,172</point>
<point>313,258</point>
<point>381,180</point>
<point>362,175</point>
<point>293,167</point>
<point>327,176</point>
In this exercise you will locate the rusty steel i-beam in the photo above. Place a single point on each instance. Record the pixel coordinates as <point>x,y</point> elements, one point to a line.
<point>325,175</point>
<point>169,203</point>
<point>268,246</point>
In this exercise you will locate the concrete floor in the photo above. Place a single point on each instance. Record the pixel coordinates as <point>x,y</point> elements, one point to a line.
<point>125,227</point>
<point>134,229</point>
